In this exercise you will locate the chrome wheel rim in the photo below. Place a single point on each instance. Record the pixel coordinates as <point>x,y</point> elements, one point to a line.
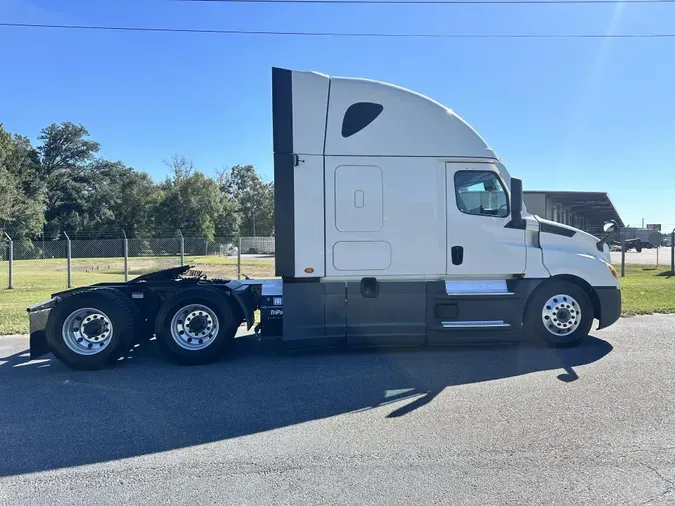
<point>194,327</point>
<point>87,331</point>
<point>561,315</point>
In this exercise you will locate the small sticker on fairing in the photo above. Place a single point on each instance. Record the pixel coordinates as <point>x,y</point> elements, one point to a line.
<point>277,301</point>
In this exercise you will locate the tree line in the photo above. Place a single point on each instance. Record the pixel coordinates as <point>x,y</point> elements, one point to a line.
<point>61,185</point>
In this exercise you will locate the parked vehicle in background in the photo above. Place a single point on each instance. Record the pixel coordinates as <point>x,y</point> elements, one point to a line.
<point>629,244</point>
<point>648,237</point>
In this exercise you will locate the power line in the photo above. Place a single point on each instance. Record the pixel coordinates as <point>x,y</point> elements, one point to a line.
<point>435,2</point>
<point>349,34</point>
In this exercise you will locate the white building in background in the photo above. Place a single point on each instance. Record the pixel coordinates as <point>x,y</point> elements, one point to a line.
<point>584,210</point>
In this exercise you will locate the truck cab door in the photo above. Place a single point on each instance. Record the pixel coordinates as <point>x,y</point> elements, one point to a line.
<point>480,241</point>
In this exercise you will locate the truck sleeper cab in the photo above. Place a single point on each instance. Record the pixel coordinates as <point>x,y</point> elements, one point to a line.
<point>396,225</point>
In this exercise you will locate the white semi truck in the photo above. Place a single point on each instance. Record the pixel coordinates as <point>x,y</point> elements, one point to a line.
<point>396,225</point>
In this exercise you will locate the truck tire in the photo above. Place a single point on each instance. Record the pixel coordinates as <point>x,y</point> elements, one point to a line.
<point>91,329</point>
<point>194,326</point>
<point>559,313</point>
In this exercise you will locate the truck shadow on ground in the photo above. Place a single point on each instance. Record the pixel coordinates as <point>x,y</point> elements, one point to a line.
<point>52,417</point>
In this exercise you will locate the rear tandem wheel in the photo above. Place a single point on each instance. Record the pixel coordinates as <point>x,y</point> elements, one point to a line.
<point>194,326</point>
<point>91,329</point>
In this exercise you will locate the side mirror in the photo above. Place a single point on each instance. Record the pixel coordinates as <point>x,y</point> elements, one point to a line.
<point>517,220</point>
<point>609,227</point>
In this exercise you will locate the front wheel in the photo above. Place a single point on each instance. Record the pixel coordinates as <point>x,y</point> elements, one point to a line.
<point>194,326</point>
<point>560,313</point>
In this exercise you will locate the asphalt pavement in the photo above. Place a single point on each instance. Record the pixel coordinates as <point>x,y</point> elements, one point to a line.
<point>648,256</point>
<point>483,425</point>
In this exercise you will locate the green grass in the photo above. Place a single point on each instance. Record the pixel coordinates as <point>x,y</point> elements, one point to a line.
<point>36,280</point>
<point>645,289</point>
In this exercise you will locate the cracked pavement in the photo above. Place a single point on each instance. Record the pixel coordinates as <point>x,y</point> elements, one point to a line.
<point>472,425</point>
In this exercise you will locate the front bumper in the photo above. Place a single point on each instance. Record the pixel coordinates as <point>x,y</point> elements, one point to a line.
<point>37,317</point>
<point>609,299</point>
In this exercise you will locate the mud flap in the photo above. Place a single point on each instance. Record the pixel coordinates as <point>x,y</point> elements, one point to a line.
<point>38,317</point>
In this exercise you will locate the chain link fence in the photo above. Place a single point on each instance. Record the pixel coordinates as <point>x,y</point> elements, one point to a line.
<point>60,264</point>
<point>67,263</point>
<point>633,246</point>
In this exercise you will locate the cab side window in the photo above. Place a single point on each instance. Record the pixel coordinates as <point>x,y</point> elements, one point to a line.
<point>480,193</point>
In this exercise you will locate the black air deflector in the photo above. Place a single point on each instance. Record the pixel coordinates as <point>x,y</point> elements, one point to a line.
<point>284,166</point>
<point>284,217</point>
<point>282,110</point>
<point>550,228</point>
<point>359,116</point>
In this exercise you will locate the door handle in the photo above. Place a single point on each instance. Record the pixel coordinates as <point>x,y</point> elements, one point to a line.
<point>457,255</point>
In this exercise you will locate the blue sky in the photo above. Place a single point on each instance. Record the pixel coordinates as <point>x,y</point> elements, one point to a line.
<point>580,114</point>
